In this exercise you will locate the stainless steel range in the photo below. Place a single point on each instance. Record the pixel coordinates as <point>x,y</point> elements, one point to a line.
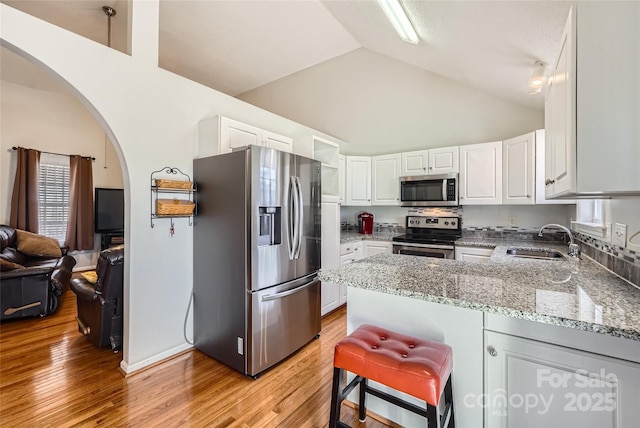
<point>429,237</point>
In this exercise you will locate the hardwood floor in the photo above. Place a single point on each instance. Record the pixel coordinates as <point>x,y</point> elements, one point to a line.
<point>51,375</point>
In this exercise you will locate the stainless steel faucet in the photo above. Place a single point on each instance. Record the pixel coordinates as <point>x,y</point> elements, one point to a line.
<point>574,249</point>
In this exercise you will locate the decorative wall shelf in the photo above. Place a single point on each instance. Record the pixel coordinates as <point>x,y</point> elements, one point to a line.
<point>172,206</point>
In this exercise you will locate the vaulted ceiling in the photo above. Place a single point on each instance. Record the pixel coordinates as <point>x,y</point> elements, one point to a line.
<point>236,46</point>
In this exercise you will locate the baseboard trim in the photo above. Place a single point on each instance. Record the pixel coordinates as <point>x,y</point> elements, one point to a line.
<point>131,369</point>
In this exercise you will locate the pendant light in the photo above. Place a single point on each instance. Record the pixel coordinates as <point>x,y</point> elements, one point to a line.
<point>110,12</point>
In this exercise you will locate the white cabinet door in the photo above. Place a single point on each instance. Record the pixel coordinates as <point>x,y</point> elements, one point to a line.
<point>414,163</point>
<point>518,159</point>
<point>235,134</point>
<point>330,234</point>
<point>444,160</point>
<point>385,188</point>
<point>277,141</point>
<point>561,105</point>
<point>342,177</point>
<point>372,248</point>
<point>541,161</point>
<point>535,384</point>
<point>358,250</point>
<point>473,254</point>
<point>358,189</point>
<point>481,174</point>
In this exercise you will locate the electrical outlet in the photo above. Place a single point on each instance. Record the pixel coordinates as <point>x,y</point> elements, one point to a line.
<point>513,221</point>
<point>620,235</point>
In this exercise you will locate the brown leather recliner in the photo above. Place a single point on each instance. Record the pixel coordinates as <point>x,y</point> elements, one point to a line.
<point>33,286</point>
<point>100,304</point>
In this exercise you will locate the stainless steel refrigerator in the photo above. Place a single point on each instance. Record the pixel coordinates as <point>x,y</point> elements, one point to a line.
<point>256,256</point>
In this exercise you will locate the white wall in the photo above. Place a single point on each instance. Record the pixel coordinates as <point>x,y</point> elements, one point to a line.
<point>51,121</point>
<point>151,116</point>
<point>379,105</point>
<point>625,210</point>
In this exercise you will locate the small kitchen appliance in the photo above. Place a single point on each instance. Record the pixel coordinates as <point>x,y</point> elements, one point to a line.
<point>365,223</point>
<point>429,237</point>
<point>429,190</point>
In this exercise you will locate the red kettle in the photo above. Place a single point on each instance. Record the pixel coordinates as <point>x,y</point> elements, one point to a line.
<point>365,223</point>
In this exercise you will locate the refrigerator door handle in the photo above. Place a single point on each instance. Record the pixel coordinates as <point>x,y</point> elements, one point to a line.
<point>300,222</point>
<point>289,292</point>
<point>291,196</point>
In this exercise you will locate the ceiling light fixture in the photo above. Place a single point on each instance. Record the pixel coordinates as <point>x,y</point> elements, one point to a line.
<point>537,78</point>
<point>400,21</point>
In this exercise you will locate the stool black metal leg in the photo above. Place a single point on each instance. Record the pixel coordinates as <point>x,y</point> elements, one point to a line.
<point>362,412</point>
<point>433,417</point>
<point>336,397</point>
<point>448,398</point>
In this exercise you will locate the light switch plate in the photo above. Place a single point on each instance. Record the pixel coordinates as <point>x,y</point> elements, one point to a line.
<point>620,235</point>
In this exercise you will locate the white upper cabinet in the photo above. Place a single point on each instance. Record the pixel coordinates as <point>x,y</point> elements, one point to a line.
<point>540,175</point>
<point>342,178</point>
<point>592,104</point>
<point>385,176</point>
<point>414,163</point>
<point>276,141</point>
<point>358,189</point>
<point>430,162</point>
<point>518,170</point>
<point>444,160</point>
<point>481,174</point>
<point>219,134</point>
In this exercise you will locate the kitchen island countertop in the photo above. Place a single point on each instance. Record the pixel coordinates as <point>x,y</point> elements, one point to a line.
<point>573,293</point>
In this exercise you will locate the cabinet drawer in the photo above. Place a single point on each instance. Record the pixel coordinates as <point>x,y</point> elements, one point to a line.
<point>346,248</point>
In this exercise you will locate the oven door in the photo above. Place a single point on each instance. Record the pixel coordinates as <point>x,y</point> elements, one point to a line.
<point>424,250</point>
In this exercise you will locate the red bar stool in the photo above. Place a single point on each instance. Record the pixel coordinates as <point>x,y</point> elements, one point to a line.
<point>418,367</point>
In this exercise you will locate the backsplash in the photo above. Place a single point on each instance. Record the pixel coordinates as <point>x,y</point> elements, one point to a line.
<point>622,261</point>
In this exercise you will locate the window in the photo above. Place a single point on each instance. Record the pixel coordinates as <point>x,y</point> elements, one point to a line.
<point>53,196</point>
<point>591,218</point>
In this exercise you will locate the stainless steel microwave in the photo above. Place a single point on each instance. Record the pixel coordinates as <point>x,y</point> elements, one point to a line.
<point>429,190</point>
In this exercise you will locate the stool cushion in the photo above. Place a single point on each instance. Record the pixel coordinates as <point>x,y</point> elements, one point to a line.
<point>418,367</point>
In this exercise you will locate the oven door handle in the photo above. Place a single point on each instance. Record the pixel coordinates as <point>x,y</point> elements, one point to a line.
<point>434,246</point>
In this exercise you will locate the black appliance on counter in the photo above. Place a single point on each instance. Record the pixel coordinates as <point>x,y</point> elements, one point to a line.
<point>429,237</point>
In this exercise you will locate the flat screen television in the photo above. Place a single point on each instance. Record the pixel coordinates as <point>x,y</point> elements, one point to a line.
<point>109,210</point>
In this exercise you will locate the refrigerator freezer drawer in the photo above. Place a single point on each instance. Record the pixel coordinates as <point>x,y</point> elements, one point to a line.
<point>283,319</point>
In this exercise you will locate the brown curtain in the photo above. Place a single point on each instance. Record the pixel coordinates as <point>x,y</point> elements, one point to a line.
<point>24,200</point>
<point>80,223</point>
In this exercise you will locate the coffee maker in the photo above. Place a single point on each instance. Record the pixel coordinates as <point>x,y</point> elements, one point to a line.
<point>365,223</point>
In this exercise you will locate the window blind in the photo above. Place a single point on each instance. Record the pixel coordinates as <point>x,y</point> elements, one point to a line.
<point>53,196</point>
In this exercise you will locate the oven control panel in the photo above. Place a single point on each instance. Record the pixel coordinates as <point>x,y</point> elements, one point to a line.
<point>433,222</point>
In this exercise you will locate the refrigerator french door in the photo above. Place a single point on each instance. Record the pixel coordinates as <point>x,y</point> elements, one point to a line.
<point>256,256</point>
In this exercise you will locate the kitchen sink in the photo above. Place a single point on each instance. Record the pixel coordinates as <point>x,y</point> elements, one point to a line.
<point>535,254</point>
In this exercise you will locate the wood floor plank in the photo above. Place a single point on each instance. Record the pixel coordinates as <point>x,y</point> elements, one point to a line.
<point>51,375</point>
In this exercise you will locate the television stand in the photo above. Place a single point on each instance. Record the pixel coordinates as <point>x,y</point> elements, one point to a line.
<point>109,240</point>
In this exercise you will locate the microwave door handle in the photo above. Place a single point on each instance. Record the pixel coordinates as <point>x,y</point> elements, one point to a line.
<point>444,190</point>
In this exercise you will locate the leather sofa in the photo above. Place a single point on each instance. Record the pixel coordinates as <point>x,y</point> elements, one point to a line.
<point>100,304</point>
<point>34,286</point>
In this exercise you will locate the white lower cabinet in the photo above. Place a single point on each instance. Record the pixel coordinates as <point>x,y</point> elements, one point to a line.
<point>529,383</point>
<point>473,254</point>
<point>377,247</point>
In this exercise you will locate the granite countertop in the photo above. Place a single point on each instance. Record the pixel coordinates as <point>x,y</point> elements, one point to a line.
<point>572,293</point>
<point>377,236</point>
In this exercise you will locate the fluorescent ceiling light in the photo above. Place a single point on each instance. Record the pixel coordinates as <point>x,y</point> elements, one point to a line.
<point>400,21</point>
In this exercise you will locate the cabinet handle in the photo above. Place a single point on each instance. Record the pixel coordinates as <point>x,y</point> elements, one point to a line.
<point>549,181</point>
<point>528,196</point>
<point>492,351</point>
<point>430,167</point>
